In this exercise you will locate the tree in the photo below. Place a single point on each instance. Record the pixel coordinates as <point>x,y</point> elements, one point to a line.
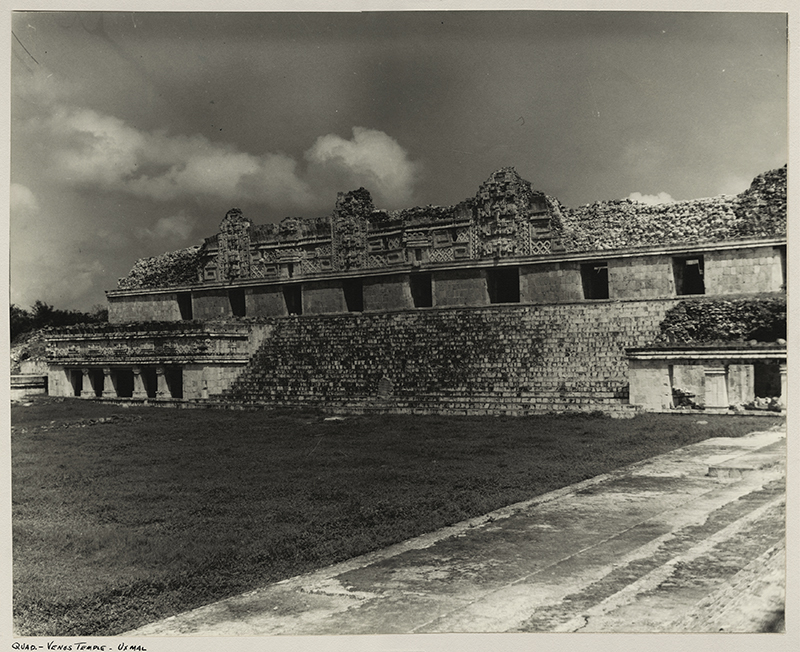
<point>41,315</point>
<point>21,321</point>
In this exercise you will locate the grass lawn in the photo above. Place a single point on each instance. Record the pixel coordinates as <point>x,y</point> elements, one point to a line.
<point>122,516</point>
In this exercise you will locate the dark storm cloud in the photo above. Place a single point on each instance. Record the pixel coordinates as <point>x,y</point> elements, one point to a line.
<point>133,133</point>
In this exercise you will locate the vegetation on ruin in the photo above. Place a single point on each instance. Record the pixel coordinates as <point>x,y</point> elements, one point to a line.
<point>27,328</point>
<point>42,315</point>
<point>716,321</point>
<point>122,516</point>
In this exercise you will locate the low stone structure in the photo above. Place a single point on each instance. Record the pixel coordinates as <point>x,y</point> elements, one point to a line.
<point>718,377</point>
<point>507,302</point>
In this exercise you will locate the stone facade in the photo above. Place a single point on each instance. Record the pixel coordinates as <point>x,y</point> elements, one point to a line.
<point>122,361</point>
<point>716,378</point>
<point>507,302</point>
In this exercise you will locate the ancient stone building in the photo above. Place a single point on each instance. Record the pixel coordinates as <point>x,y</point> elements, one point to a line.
<point>507,302</point>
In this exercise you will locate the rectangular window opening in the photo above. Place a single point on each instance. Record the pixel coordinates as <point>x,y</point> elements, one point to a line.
<point>503,284</point>
<point>185,305</point>
<point>293,297</point>
<point>421,290</point>
<point>688,273</point>
<point>237,301</point>
<point>353,294</point>
<point>594,277</point>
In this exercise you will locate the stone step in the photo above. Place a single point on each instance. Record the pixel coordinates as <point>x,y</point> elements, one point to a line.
<point>749,462</point>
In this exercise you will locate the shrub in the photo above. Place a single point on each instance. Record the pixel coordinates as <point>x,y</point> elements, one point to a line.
<point>705,321</point>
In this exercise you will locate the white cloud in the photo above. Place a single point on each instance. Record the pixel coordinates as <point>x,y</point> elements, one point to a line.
<point>22,200</point>
<point>175,228</point>
<point>733,185</point>
<point>371,158</point>
<point>89,149</point>
<point>660,198</point>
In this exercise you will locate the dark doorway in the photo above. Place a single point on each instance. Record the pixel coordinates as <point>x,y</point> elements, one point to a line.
<point>238,304</point>
<point>353,294</point>
<point>174,378</point>
<point>150,380</point>
<point>98,378</point>
<point>503,284</point>
<point>595,280</point>
<point>76,380</point>
<point>767,380</point>
<point>293,297</point>
<point>124,380</point>
<point>689,275</point>
<point>421,290</point>
<point>185,305</point>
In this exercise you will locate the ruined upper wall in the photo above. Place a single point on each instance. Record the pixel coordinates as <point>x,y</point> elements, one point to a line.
<point>505,219</point>
<point>758,212</point>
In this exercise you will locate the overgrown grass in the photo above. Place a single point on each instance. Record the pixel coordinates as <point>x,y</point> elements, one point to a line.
<point>124,516</point>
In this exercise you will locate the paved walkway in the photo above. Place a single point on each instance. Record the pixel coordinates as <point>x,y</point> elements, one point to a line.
<point>688,541</point>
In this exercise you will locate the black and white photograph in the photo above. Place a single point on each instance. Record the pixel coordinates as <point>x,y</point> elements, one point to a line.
<point>392,329</point>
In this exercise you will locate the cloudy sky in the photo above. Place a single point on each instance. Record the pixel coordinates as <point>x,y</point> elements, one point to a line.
<point>133,133</point>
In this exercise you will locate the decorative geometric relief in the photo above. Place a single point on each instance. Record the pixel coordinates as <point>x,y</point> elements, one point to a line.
<point>417,239</point>
<point>377,261</point>
<point>462,235</point>
<point>442,255</point>
<point>268,255</point>
<point>393,242</point>
<point>540,247</point>
<point>441,239</point>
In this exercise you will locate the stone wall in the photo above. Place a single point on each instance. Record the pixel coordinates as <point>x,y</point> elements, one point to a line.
<point>642,276</point>
<point>749,270</point>
<point>510,359</point>
<point>322,297</point>
<point>550,282</point>
<point>145,307</point>
<point>211,304</point>
<point>266,300</point>
<point>757,269</point>
<point>388,293</point>
<point>460,287</point>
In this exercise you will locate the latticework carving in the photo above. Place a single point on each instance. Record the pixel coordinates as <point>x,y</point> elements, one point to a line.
<point>540,247</point>
<point>377,261</point>
<point>442,255</point>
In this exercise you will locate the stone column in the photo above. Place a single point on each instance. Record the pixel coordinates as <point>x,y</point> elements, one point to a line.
<point>741,388</point>
<point>109,391</point>
<point>716,386</point>
<point>87,391</point>
<point>138,384</point>
<point>162,390</point>
<point>784,386</point>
